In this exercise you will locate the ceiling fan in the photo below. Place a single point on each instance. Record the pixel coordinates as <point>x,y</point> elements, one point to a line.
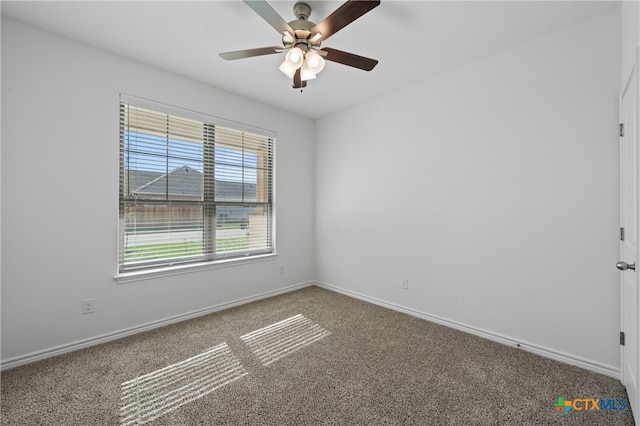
<point>301,39</point>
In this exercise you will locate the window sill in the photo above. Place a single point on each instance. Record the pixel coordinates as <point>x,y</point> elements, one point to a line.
<point>128,277</point>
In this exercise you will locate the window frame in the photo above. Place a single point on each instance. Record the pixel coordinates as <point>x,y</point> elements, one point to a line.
<point>207,260</point>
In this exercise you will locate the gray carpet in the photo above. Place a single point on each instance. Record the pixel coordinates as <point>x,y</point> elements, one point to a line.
<point>309,357</point>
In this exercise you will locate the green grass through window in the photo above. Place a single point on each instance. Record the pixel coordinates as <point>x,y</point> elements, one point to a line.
<point>156,251</point>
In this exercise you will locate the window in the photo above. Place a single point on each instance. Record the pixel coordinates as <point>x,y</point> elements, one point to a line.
<point>193,188</point>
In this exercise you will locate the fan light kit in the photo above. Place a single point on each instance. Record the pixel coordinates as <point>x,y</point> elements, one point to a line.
<point>301,39</point>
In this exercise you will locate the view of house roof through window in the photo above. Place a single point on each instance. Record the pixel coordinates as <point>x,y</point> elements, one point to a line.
<point>191,191</point>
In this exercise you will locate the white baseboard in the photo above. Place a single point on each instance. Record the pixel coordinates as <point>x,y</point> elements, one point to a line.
<point>85,343</point>
<point>536,349</point>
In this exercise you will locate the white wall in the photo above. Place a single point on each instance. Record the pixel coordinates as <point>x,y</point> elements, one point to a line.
<point>630,12</point>
<point>493,188</point>
<point>60,195</point>
<point>498,197</point>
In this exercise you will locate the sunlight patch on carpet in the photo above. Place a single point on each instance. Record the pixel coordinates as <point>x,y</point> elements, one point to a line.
<point>155,394</point>
<point>283,338</point>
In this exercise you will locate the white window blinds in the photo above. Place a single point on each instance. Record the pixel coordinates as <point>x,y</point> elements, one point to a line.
<point>192,190</point>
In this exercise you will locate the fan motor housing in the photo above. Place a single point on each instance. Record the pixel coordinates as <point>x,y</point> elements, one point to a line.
<point>302,28</point>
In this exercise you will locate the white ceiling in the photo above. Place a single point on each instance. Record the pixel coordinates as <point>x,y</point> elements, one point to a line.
<point>413,40</point>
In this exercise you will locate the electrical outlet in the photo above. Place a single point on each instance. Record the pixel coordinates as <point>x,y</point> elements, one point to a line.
<point>282,269</point>
<point>404,283</point>
<point>88,306</point>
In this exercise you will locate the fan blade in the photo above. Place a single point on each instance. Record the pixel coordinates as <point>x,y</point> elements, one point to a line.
<point>343,16</point>
<point>349,59</point>
<point>248,53</point>
<point>297,80</point>
<point>267,13</point>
